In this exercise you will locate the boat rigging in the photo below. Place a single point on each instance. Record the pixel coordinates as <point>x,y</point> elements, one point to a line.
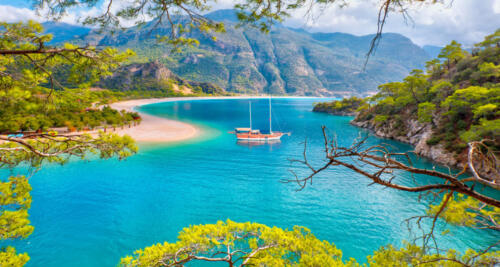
<point>249,134</point>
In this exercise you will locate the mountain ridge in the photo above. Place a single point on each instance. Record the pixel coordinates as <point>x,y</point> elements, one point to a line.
<point>286,61</point>
<point>155,77</point>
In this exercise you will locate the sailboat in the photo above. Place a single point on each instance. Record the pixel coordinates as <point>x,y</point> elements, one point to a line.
<point>249,134</point>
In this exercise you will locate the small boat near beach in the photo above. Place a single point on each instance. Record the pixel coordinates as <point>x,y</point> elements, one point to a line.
<point>255,135</point>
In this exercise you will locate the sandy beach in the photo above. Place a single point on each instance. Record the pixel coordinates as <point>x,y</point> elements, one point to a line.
<point>154,129</point>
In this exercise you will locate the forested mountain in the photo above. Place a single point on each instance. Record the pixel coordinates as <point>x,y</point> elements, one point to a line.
<point>62,31</point>
<point>440,110</point>
<point>285,61</point>
<point>153,79</point>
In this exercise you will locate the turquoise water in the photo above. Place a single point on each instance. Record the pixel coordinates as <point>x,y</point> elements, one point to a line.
<point>92,213</point>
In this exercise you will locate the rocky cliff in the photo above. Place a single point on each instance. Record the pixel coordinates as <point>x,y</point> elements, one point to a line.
<point>155,76</point>
<point>286,61</point>
<point>416,134</point>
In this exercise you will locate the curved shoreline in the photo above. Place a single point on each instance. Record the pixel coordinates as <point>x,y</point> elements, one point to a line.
<point>153,129</point>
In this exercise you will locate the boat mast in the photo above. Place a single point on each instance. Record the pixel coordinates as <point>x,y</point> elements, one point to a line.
<point>250,108</point>
<point>270,120</point>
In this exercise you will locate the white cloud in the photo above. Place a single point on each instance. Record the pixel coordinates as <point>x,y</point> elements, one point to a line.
<point>466,21</point>
<point>14,14</point>
<point>76,15</point>
<point>224,4</point>
<point>73,15</point>
<point>496,6</point>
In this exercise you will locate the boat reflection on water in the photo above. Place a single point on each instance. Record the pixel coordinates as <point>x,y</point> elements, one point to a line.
<point>248,143</point>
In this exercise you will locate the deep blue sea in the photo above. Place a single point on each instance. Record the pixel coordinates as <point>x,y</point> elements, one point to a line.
<point>91,213</point>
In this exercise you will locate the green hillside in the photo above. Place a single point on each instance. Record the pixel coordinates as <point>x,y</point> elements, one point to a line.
<point>455,101</point>
<point>153,79</point>
<point>285,61</point>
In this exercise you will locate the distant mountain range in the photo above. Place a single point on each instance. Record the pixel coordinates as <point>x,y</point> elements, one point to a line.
<point>63,32</point>
<point>285,61</point>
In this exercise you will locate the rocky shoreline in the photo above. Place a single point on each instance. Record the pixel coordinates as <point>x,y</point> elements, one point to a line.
<point>417,136</point>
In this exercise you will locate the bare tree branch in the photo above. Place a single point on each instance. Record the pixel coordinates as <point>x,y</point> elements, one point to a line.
<point>378,156</point>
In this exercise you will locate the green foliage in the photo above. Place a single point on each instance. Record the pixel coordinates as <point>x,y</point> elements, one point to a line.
<point>464,101</point>
<point>433,140</point>
<point>466,211</point>
<point>26,102</point>
<point>153,79</point>
<point>485,110</point>
<point>32,99</point>
<point>425,111</point>
<point>346,106</point>
<point>10,258</point>
<point>256,244</point>
<point>15,200</point>
<point>462,92</point>
<point>396,96</point>
<point>486,129</point>
<point>36,68</point>
<point>413,255</point>
<point>441,89</point>
<point>72,108</point>
<point>34,151</point>
<point>417,86</point>
<point>380,118</point>
<point>242,244</point>
<point>489,70</point>
<point>452,53</point>
<point>490,40</point>
<point>284,61</point>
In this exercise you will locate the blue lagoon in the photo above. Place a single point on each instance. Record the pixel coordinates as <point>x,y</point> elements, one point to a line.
<point>92,213</point>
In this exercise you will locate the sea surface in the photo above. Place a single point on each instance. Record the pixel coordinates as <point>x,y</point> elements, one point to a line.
<point>92,213</point>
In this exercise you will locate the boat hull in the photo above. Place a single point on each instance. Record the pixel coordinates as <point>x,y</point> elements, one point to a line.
<point>259,136</point>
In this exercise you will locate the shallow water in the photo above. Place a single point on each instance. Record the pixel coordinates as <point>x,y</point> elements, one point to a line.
<point>93,213</point>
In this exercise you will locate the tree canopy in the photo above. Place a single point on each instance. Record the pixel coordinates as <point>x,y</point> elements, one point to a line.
<point>457,98</point>
<point>240,244</point>
<point>253,244</point>
<point>31,99</point>
<point>35,97</point>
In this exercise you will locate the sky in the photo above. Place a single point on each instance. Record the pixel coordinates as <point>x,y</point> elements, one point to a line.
<point>466,21</point>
